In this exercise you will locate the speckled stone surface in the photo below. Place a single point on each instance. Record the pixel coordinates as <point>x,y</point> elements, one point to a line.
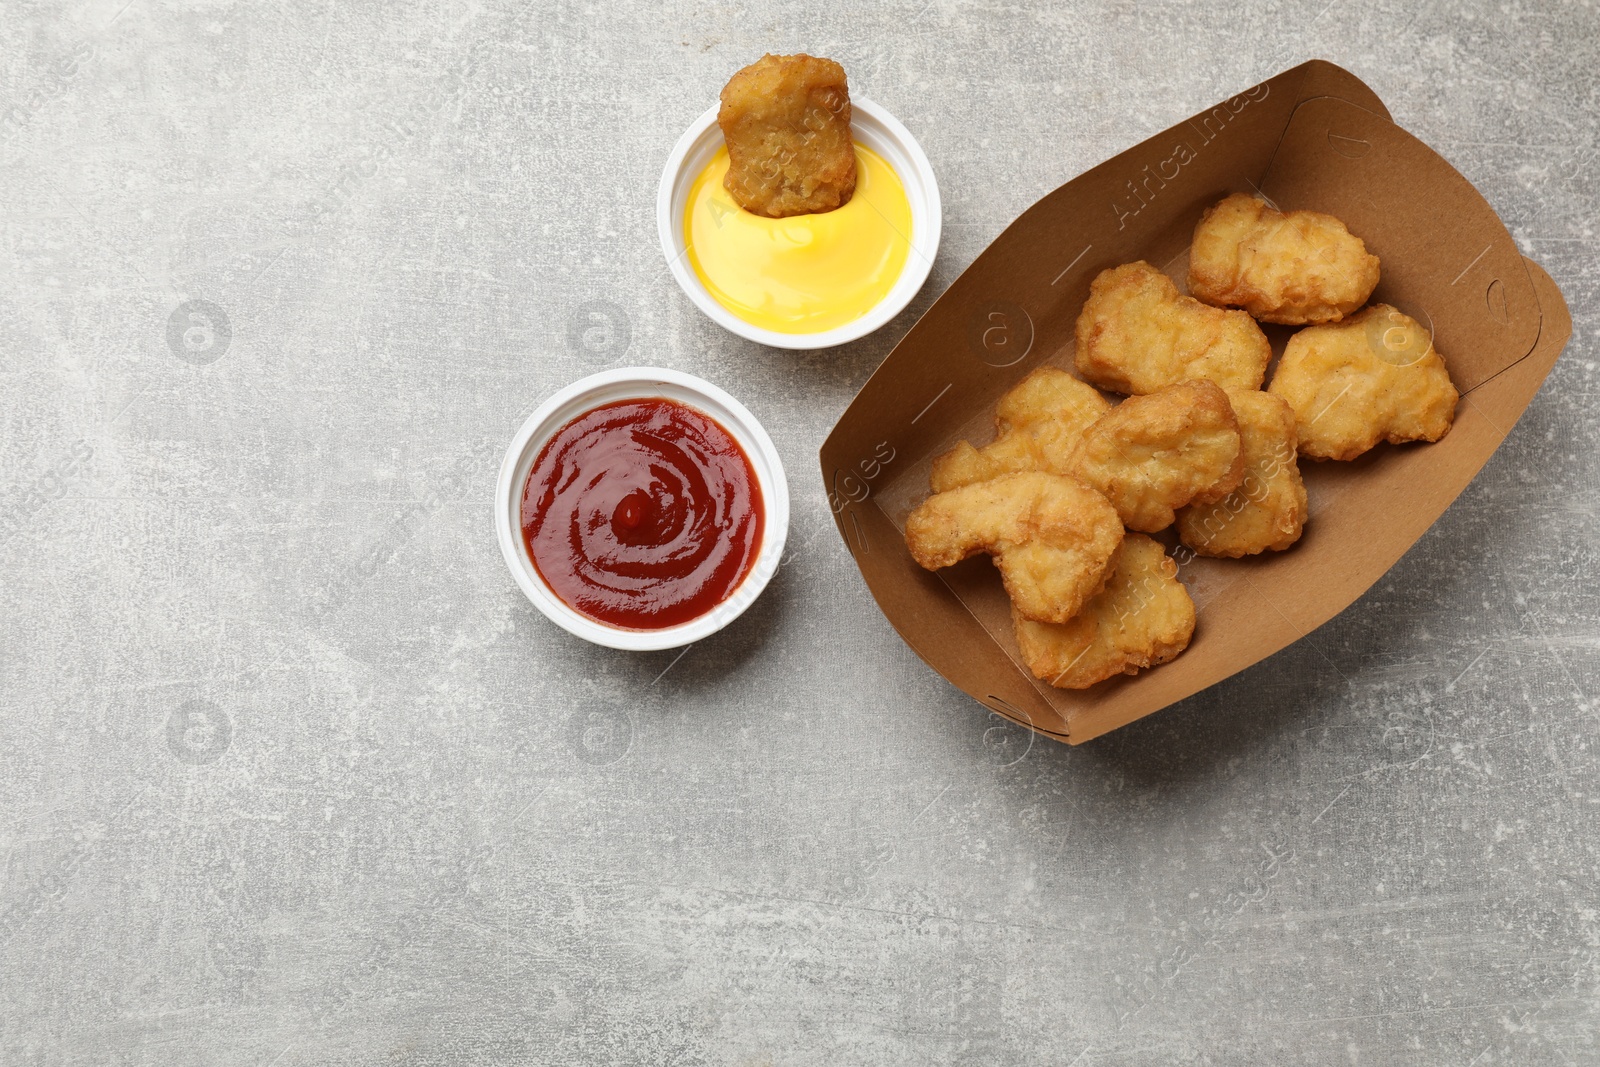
<point>291,773</point>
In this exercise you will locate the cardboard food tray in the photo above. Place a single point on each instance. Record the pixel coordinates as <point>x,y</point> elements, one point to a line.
<point>1312,137</point>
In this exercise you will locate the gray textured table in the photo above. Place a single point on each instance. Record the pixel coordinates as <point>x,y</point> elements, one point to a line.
<point>293,774</point>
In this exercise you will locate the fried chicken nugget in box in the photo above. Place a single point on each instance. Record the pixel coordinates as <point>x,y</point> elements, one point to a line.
<point>1038,422</point>
<point>786,121</point>
<point>1268,510</point>
<point>1153,454</point>
<point>1295,268</point>
<point>1137,334</point>
<point>1142,618</point>
<point>1373,377</point>
<point>1051,536</point>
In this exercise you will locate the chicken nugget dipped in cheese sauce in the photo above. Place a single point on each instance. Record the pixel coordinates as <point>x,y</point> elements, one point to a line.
<point>786,121</point>
<point>792,226</point>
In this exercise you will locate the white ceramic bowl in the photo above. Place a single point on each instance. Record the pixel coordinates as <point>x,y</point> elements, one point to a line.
<point>628,384</point>
<point>871,126</point>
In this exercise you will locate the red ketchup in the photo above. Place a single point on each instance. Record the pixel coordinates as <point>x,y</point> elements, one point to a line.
<point>642,514</point>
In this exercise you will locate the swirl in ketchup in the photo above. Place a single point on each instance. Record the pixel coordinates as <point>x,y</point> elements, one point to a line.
<point>642,514</point>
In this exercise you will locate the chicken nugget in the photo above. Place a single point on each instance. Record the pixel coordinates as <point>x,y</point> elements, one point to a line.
<point>1268,509</point>
<point>1152,454</point>
<point>1143,617</point>
<point>786,121</point>
<point>1137,333</point>
<point>1038,423</point>
<point>1373,377</point>
<point>1295,268</point>
<point>1051,536</point>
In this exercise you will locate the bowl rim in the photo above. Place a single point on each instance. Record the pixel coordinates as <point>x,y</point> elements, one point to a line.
<point>572,401</point>
<point>926,214</point>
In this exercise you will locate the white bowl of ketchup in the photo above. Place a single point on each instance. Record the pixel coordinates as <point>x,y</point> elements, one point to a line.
<point>873,129</point>
<point>642,508</point>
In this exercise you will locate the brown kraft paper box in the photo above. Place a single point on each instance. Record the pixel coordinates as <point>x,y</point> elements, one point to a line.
<point>1312,137</point>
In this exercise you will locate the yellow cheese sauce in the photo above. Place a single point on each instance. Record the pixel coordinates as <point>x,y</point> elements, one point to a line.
<point>806,273</point>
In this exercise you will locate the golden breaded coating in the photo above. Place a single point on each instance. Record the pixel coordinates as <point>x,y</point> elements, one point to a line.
<point>1137,334</point>
<point>1152,454</point>
<point>1051,537</point>
<point>1142,618</point>
<point>1374,377</point>
<point>1038,424</point>
<point>1268,509</point>
<point>964,464</point>
<point>1295,268</point>
<point>786,121</point>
